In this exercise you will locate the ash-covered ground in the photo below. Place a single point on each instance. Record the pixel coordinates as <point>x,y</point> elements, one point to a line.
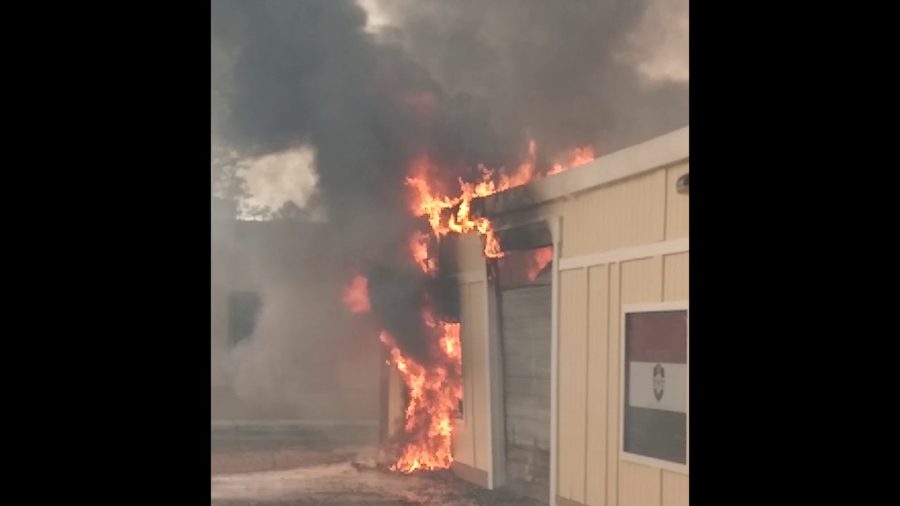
<point>331,466</point>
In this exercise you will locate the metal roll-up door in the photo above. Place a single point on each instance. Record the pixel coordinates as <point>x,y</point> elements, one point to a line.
<point>525,316</point>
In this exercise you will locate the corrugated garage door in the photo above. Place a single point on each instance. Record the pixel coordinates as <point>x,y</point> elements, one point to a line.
<point>525,314</point>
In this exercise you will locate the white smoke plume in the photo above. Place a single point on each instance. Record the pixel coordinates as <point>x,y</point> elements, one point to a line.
<point>658,48</point>
<point>268,183</point>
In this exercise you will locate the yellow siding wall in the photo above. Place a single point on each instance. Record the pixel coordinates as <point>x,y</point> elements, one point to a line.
<point>597,442</point>
<point>479,386</point>
<point>633,212</point>
<point>636,211</point>
<point>676,282</point>
<point>638,485</point>
<point>642,281</point>
<point>470,253</point>
<point>612,411</point>
<point>674,489</point>
<point>572,387</point>
<point>471,444</point>
<point>464,440</point>
<point>627,213</point>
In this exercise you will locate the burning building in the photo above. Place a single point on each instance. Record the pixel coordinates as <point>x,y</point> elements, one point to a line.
<point>574,336</point>
<point>472,232</point>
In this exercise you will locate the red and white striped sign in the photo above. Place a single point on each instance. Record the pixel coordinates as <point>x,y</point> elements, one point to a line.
<point>657,360</point>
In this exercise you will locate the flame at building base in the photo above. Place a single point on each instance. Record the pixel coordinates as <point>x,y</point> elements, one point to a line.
<point>435,388</point>
<point>434,396</point>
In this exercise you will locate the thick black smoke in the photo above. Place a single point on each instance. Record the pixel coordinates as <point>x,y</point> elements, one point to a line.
<point>304,72</point>
<point>395,294</point>
<point>464,82</point>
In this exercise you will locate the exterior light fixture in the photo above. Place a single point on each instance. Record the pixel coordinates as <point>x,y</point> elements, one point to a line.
<point>681,186</point>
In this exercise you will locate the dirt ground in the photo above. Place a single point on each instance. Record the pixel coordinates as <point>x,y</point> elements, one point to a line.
<point>307,469</point>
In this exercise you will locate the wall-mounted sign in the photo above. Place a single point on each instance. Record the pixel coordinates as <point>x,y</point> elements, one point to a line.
<point>656,382</point>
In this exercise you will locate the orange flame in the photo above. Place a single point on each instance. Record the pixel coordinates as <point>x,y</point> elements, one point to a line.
<point>434,394</point>
<point>578,156</point>
<point>436,391</point>
<point>450,343</point>
<point>448,214</point>
<point>356,295</point>
<point>538,260</point>
<point>418,245</point>
<point>452,214</point>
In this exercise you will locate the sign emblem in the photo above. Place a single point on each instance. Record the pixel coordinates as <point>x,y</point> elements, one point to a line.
<point>659,381</point>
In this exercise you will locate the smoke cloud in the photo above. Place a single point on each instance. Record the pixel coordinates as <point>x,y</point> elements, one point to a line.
<point>271,181</point>
<point>305,357</point>
<point>565,73</point>
<point>466,82</point>
<point>658,47</point>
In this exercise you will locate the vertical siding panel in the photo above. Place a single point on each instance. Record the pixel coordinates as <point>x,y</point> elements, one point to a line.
<point>627,213</point>
<point>598,343</point>
<point>639,485</point>
<point>612,461</point>
<point>480,407</point>
<point>463,441</point>
<point>470,253</point>
<point>676,277</point>
<point>674,489</point>
<point>642,281</point>
<point>572,387</point>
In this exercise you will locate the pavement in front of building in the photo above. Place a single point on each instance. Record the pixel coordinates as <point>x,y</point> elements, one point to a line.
<point>294,470</point>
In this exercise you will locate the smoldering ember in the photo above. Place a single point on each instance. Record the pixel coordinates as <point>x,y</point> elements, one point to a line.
<point>449,252</point>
